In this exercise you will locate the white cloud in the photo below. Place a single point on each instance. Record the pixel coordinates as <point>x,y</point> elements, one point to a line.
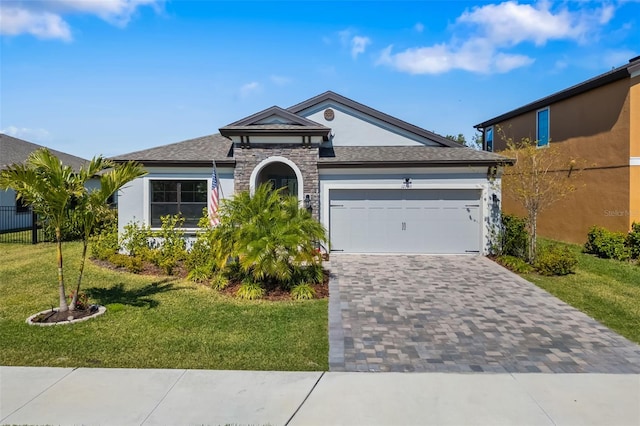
<point>45,18</point>
<point>511,23</point>
<point>419,27</point>
<point>491,31</point>
<point>30,135</point>
<point>474,56</point>
<point>358,45</point>
<point>249,88</point>
<point>44,25</point>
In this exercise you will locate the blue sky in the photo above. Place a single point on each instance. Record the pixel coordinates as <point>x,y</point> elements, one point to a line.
<point>113,76</point>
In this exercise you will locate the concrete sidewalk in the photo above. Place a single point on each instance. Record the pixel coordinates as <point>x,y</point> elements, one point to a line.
<point>68,396</point>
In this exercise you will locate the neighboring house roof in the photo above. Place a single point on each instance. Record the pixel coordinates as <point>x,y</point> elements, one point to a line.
<point>16,151</point>
<point>331,96</point>
<point>593,83</point>
<point>394,156</point>
<point>193,152</point>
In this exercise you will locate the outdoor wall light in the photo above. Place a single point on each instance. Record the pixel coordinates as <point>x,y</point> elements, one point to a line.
<point>307,203</point>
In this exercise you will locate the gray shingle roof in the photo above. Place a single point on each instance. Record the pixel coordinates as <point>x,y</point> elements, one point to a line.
<point>16,151</point>
<point>199,151</point>
<point>353,156</point>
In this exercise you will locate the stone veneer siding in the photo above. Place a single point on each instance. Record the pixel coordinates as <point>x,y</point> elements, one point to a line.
<point>306,158</point>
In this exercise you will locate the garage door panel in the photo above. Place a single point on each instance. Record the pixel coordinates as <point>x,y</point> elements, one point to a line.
<point>405,221</point>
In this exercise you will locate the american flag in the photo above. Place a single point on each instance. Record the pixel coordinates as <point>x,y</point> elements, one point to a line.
<point>214,200</point>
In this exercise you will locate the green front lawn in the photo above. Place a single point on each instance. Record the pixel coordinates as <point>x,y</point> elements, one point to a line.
<point>151,322</point>
<point>607,290</point>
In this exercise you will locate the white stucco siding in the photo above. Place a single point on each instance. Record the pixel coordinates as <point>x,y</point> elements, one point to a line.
<point>466,180</point>
<point>134,198</point>
<point>352,128</point>
<point>9,217</point>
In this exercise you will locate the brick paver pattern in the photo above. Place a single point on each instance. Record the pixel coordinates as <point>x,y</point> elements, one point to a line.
<point>460,314</point>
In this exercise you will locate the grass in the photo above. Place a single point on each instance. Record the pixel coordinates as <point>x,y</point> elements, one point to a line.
<point>607,290</point>
<point>151,322</point>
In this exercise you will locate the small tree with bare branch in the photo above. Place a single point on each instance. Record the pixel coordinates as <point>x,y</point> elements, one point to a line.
<point>540,177</point>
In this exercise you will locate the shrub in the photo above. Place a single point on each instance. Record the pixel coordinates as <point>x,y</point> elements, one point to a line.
<point>513,237</point>
<point>104,244</point>
<point>250,290</point>
<point>606,244</point>
<point>303,291</point>
<point>83,300</point>
<point>633,241</point>
<point>515,264</point>
<point>172,246</point>
<point>130,263</point>
<point>219,282</point>
<point>200,260</point>
<point>556,260</point>
<point>135,239</point>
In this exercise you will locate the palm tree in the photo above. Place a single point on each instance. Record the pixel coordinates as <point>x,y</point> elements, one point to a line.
<point>50,188</point>
<point>58,194</point>
<point>268,233</point>
<point>92,203</point>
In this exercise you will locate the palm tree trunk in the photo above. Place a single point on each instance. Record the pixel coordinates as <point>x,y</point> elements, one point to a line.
<point>74,301</point>
<point>63,297</point>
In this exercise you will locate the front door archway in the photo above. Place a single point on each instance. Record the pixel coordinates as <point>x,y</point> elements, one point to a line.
<point>281,172</point>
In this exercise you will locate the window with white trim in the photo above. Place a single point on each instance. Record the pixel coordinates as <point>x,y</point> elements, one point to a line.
<point>488,136</point>
<point>187,197</point>
<point>542,127</point>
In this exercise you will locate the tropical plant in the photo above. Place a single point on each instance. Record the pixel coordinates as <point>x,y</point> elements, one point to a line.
<point>52,189</point>
<point>92,203</point>
<point>268,235</point>
<point>59,195</point>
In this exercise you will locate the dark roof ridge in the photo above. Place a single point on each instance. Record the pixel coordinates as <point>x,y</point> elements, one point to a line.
<point>600,80</point>
<point>273,110</point>
<point>15,150</point>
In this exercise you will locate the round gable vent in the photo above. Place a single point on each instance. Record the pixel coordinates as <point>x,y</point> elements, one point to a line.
<point>329,114</point>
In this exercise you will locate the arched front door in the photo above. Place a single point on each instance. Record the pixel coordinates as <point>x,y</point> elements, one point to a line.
<point>280,175</point>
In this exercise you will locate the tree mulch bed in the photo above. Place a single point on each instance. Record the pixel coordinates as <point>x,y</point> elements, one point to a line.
<point>55,316</point>
<point>271,293</point>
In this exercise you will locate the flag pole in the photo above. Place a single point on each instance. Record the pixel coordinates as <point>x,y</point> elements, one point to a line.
<point>214,198</point>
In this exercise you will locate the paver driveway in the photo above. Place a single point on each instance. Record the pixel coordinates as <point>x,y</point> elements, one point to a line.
<point>459,314</point>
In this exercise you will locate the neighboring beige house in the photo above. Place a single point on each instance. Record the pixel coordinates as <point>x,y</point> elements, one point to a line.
<point>599,121</point>
<point>377,183</point>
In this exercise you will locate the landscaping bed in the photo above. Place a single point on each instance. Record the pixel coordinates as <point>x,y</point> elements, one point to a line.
<point>152,321</point>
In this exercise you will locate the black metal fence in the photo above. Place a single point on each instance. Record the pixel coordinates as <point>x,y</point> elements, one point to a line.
<point>19,225</point>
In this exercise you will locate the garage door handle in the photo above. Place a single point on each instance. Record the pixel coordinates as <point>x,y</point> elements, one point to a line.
<point>404,226</point>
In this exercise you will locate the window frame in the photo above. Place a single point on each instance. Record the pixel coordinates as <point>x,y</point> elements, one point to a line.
<point>21,207</point>
<point>178,202</point>
<point>489,148</point>
<point>538,140</point>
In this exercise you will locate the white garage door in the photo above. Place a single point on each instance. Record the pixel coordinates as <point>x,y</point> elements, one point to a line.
<point>405,221</point>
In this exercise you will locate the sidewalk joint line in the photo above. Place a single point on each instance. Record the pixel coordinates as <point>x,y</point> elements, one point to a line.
<point>163,397</point>
<point>305,399</point>
<point>533,398</point>
<point>40,393</point>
